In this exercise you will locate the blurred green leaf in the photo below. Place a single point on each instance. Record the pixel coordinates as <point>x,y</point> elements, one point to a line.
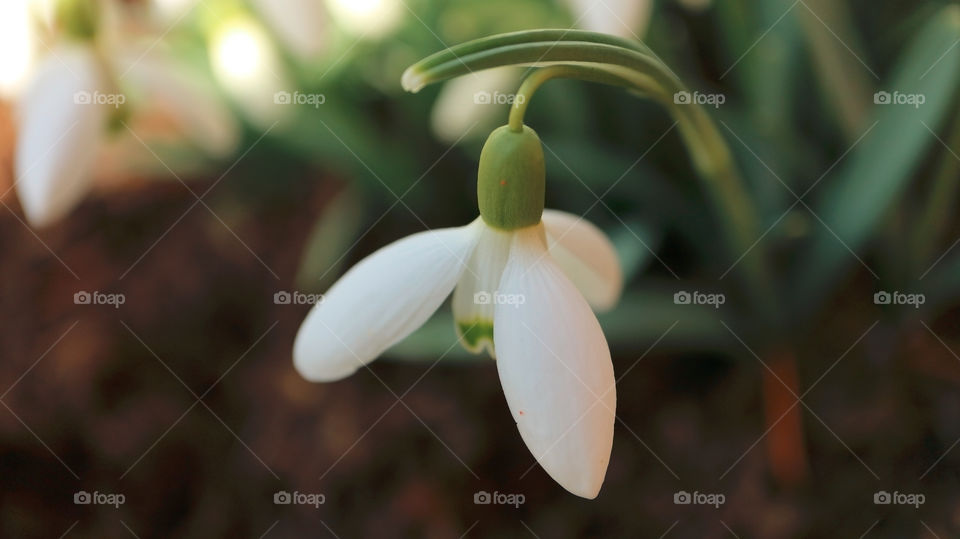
<point>641,319</point>
<point>855,199</point>
<point>330,241</point>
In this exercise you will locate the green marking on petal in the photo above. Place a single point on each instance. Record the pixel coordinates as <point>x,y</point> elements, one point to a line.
<point>476,335</point>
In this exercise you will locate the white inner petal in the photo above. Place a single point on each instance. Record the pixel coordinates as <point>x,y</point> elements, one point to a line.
<point>476,294</point>
<point>586,256</point>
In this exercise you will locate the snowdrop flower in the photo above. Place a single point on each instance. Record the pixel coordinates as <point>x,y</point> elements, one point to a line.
<point>74,92</point>
<point>523,281</point>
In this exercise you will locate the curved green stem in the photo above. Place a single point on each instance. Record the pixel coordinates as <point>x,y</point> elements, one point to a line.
<point>521,37</point>
<point>566,71</point>
<point>600,58</point>
<point>540,53</point>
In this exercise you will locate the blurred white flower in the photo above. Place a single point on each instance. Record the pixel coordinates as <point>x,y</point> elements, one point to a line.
<point>526,293</point>
<point>624,18</point>
<point>249,69</point>
<point>473,102</point>
<point>371,19</point>
<point>77,89</point>
<point>162,87</point>
<point>299,24</point>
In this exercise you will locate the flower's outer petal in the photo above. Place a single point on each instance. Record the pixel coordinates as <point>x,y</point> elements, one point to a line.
<point>476,293</point>
<point>60,128</point>
<point>184,97</point>
<point>555,367</point>
<point>587,257</point>
<point>380,301</point>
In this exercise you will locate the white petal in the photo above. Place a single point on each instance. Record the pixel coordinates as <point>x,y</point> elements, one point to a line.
<point>555,367</point>
<point>624,18</point>
<point>380,301</point>
<point>299,24</point>
<point>476,293</point>
<point>164,86</point>
<point>586,256</point>
<point>58,137</point>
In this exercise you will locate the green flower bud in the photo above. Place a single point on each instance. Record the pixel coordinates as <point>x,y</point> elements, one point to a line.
<point>511,179</point>
<point>79,19</point>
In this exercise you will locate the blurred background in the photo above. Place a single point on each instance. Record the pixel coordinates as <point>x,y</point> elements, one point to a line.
<point>163,235</point>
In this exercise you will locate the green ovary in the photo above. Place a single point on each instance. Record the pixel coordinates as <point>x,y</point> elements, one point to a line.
<point>510,179</point>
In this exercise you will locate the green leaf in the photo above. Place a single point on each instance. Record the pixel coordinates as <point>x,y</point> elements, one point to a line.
<point>855,199</point>
<point>640,320</point>
<point>330,240</point>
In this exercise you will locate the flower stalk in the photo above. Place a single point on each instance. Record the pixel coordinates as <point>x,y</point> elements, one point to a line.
<point>610,60</point>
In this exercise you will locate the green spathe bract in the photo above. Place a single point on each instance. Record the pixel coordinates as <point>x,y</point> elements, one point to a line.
<point>510,181</point>
<point>78,18</point>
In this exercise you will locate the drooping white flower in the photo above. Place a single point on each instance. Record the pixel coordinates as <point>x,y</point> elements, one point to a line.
<point>83,82</point>
<point>523,294</point>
